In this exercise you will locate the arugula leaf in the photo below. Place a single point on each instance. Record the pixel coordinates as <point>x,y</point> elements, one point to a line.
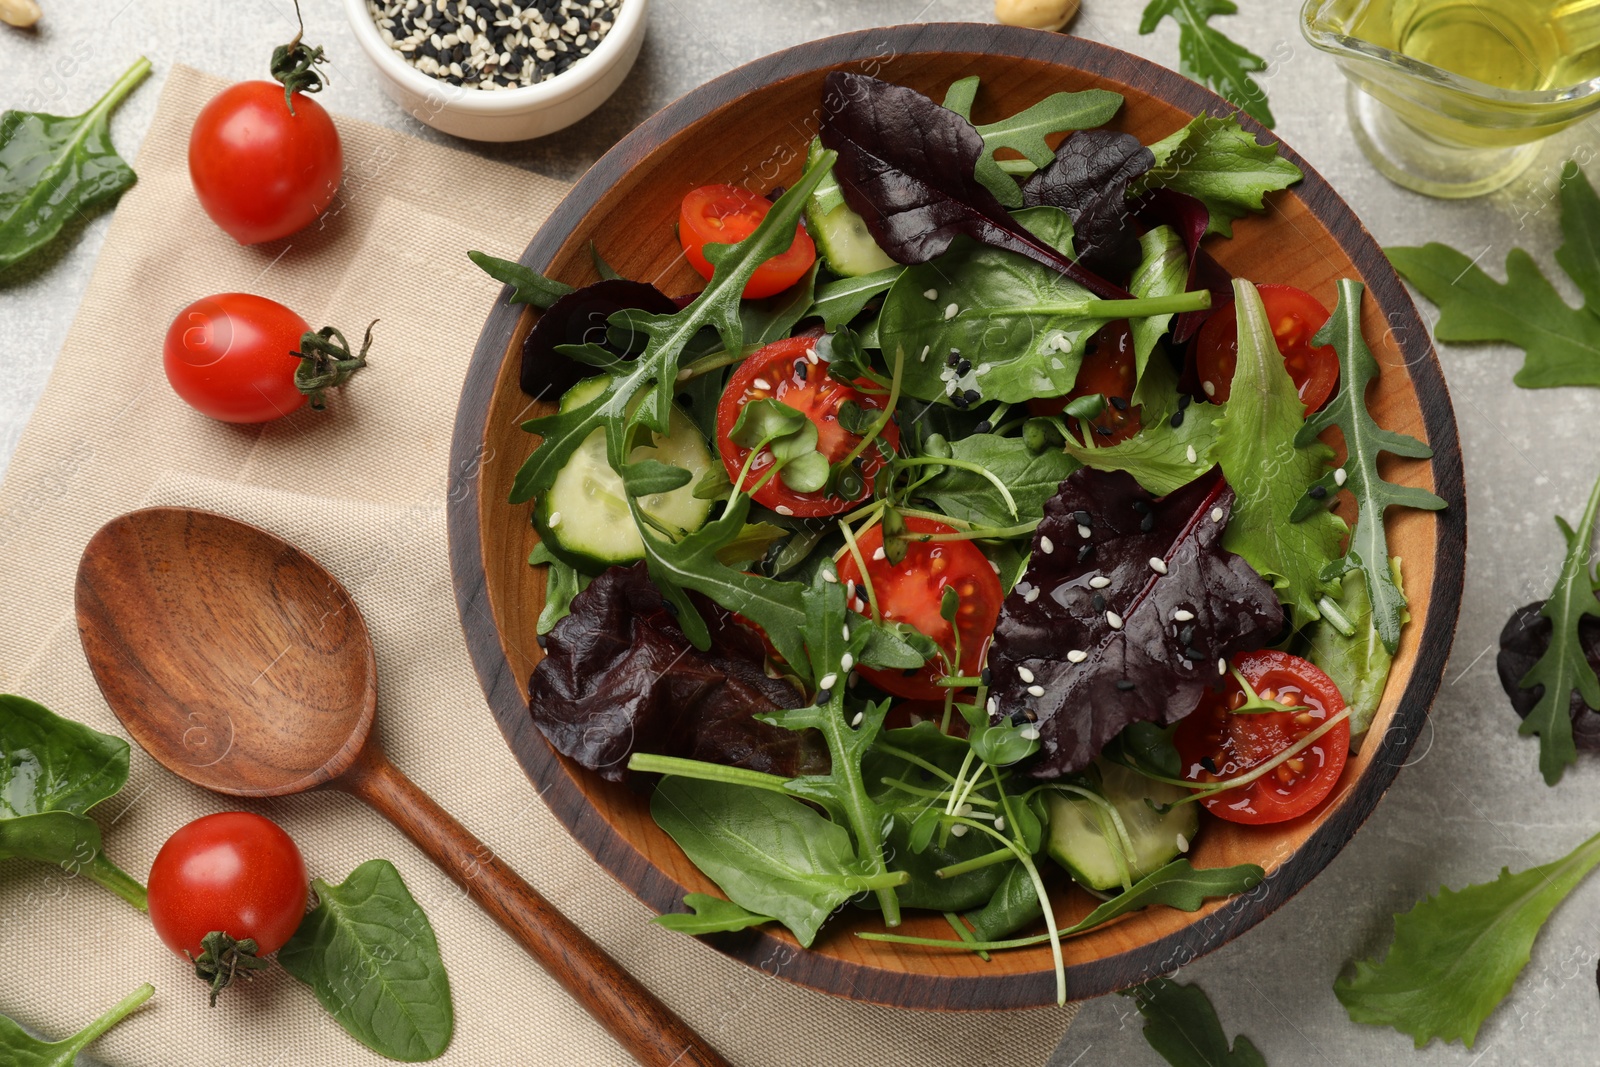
<point>54,169</point>
<point>1359,663</point>
<point>1455,956</point>
<point>1032,478</point>
<point>711,915</point>
<point>21,1049</point>
<point>528,286</point>
<point>1183,1027</point>
<point>1270,472</point>
<point>1561,343</point>
<point>1221,164</point>
<point>1363,440</point>
<point>369,954</point>
<point>1209,56</point>
<point>1564,667</point>
<point>562,582</point>
<point>52,772</point>
<point>1025,131</point>
<point>1523,640</point>
<point>770,853</point>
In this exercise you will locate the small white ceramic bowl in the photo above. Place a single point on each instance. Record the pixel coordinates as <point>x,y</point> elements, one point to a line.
<point>506,114</point>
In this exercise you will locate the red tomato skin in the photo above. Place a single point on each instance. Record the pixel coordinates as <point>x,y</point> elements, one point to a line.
<point>260,172</point>
<point>1295,316</point>
<point>235,872</point>
<point>1256,737</point>
<point>229,356</point>
<point>911,593</point>
<point>727,214</point>
<point>1108,369</point>
<point>774,364</point>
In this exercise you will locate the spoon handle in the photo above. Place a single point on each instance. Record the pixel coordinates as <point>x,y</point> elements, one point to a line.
<point>643,1025</point>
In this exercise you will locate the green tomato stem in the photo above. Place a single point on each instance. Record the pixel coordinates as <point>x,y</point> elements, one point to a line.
<point>117,880</point>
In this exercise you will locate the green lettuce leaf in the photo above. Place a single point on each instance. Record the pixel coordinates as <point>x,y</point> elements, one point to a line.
<point>1221,164</point>
<point>1181,1025</point>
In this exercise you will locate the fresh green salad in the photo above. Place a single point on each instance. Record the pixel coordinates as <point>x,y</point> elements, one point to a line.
<point>970,532</point>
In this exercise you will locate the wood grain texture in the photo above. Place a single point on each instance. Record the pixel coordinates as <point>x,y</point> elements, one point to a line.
<point>243,666</point>
<point>751,126</point>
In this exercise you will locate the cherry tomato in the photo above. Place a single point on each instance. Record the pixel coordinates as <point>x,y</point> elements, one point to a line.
<point>1108,370</point>
<point>231,356</point>
<point>235,872</point>
<point>1296,317</point>
<point>726,214</point>
<point>1215,744</point>
<point>261,172</point>
<point>790,371</point>
<point>913,593</point>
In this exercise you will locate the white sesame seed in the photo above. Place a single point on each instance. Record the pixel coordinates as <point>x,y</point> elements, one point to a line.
<point>1031,595</point>
<point>1158,564</point>
<point>1046,545</point>
<point>554,520</point>
<point>1029,732</point>
<point>761,383</point>
<point>1113,620</point>
<point>1036,690</point>
<point>924,357</point>
<point>860,606</point>
<point>965,810</point>
<point>1192,457</point>
<point>1000,822</point>
<point>995,566</point>
<point>1084,531</point>
<point>1216,514</point>
<point>879,553</point>
<point>849,588</point>
<point>951,311</point>
<point>1181,615</point>
<point>857,720</point>
<point>846,661</point>
<point>992,706</point>
<point>1099,581</point>
<point>1077,656</point>
<point>958,830</point>
<point>784,509</point>
<point>931,294</point>
<point>1339,477</point>
<point>1183,843</point>
<point>829,574</point>
<point>1222,666</point>
<point>828,681</point>
<point>811,355</point>
<point>1210,389</point>
<point>1025,674</point>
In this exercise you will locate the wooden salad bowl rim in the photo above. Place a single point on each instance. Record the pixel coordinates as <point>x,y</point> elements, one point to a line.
<point>932,979</point>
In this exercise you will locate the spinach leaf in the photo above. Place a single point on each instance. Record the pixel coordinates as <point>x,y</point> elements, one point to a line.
<point>1089,179</point>
<point>843,299</point>
<point>1564,668</point>
<point>770,853</point>
<point>925,889</point>
<point>1013,905</point>
<point>1211,57</point>
<point>18,1048</point>
<point>711,915</point>
<point>52,771</point>
<point>1364,439</point>
<point>1032,478</point>
<point>1561,343</point>
<point>1256,446</point>
<point>1358,663</point>
<point>1182,1026</point>
<point>55,169</point>
<point>1456,955</point>
<point>908,167</point>
<point>369,954</point>
<point>1221,164</point>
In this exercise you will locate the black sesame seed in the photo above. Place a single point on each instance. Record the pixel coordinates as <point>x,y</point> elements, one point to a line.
<point>1184,400</point>
<point>973,396</point>
<point>986,676</point>
<point>1141,507</point>
<point>775,193</point>
<point>1083,551</point>
<point>1177,418</point>
<point>964,366</point>
<point>800,369</point>
<point>1083,518</point>
<point>1120,403</point>
<point>953,358</point>
<point>1147,523</point>
<point>1318,492</point>
<point>960,401</point>
<point>1099,602</point>
<point>1124,685</point>
<point>1104,431</point>
<point>1209,764</point>
<point>1186,635</point>
<point>1194,655</point>
<point>983,427</point>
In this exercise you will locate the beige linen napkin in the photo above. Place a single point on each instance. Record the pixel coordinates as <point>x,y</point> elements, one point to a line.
<point>361,487</point>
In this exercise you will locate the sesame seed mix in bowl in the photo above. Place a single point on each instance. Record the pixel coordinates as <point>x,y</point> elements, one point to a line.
<point>493,44</point>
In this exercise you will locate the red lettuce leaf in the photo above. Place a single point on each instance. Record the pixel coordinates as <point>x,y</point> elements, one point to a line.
<point>1523,642</point>
<point>908,167</point>
<point>1089,180</point>
<point>580,318</point>
<point>619,676</point>
<point>1153,666</point>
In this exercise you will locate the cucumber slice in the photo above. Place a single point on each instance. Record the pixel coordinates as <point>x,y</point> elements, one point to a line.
<point>584,518</point>
<point>840,234</point>
<point>1082,833</point>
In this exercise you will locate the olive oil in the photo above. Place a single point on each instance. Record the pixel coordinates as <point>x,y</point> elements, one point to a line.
<point>1520,45</point>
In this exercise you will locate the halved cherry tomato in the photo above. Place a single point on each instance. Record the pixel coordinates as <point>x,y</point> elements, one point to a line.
<point>913,592</point>
<point>727,214</point>
<point>1215,744</point>
<point>1296,317</point>
<point>790,371</point>
<point>1108,370</point>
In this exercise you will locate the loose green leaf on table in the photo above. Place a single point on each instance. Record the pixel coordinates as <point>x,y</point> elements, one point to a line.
<point>52,772</point>
<point>1561,343</point>
<point>369,954</point>
<point>1564,668</point>
<point>18,1048</point>
<point>711,915</point>
<point>1221,164</point>
<point>1181,1025</point>
<point>1455,956</point>
<point>1211,57</point>
<point>54,169</point>
<point>1364,439</point>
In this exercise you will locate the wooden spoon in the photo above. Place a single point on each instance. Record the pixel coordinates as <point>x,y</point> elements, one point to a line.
<point>244,667</point>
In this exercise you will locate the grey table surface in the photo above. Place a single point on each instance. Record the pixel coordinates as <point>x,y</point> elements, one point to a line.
<point>1470,799</point>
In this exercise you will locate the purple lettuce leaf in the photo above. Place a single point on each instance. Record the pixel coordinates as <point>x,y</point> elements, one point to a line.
<point>908,167</point>
<point>619,676</point>
<point>1523,642</point>
<point>580,318</point>
<point>1147,643</point>
<point>1089,179</point>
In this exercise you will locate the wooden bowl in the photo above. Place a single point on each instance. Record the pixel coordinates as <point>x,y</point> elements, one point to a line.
<point>755,123</point>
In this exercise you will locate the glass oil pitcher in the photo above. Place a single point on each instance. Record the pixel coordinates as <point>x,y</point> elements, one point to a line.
<point>1451,97</point>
